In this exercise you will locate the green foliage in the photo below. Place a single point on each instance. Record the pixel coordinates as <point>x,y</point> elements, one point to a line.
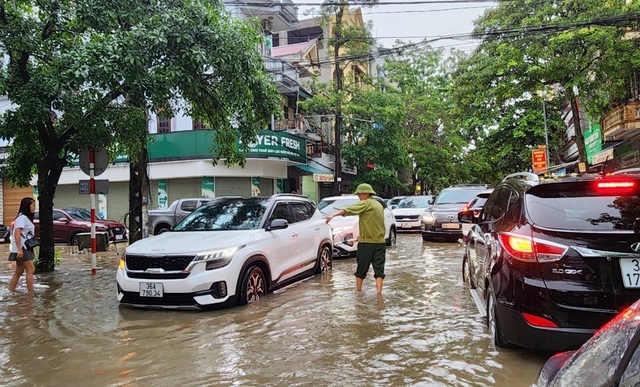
<point>85,73</point>
<point>528,47</point>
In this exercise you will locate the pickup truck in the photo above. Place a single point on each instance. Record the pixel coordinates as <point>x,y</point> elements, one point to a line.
<point>163,219</point>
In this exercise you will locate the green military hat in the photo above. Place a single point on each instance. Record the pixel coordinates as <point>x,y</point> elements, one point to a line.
<point>365,188</point>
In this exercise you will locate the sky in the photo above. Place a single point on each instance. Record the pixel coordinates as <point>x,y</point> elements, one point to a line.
<point>417,21</point>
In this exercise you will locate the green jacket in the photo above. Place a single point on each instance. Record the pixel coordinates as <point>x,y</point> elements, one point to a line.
<point>371,220</point>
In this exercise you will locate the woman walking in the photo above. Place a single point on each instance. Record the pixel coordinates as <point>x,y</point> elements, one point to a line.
<point>22,230</point>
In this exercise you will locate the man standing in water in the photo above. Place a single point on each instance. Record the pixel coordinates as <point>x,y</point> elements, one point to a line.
<point>371,243</point>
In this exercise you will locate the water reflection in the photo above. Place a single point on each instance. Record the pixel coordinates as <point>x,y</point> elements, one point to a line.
<point>423,330</point>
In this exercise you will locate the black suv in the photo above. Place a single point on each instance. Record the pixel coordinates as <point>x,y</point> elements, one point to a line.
<point>553,260</point>
<point>440,221</point>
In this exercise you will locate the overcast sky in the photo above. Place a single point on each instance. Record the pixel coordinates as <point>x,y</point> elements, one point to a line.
<point>415,22</point>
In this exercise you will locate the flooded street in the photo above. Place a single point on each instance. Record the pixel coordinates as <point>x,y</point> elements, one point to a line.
<point>424,330</point>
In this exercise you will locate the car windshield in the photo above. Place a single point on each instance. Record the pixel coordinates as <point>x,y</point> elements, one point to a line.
<point>415,202</point>
<point>579,207</point>
<point>80,214</point>
<point>456,196</point>
<point>329,206</point>
<point>595,362</point>
<point>393,201</point>
<point>224,215</point>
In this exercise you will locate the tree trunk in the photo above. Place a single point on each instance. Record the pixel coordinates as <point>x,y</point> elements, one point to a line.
<point>49,171</point>
<point>138,196</point>
<point>579,138</point>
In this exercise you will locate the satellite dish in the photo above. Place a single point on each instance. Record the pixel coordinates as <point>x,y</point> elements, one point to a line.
<point>100,162</point>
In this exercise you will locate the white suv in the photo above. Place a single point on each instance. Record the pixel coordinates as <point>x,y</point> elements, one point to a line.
<point>345,228</point>
<point>229,251</point>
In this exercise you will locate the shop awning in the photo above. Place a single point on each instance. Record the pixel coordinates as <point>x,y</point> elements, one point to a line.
<point>319,175</point>
<point>310,169</point>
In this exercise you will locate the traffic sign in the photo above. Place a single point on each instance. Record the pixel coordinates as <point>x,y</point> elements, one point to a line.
<point>100,162</point>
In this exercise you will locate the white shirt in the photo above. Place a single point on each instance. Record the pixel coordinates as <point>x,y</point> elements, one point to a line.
<point>27,230</point>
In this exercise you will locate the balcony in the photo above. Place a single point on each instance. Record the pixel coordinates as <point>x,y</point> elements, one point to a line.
<point>300,127</point>
<point>623,122</point>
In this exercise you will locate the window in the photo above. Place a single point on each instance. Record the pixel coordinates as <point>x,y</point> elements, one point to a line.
<point>164,125</point>
<point>198,125</point>
<point>282,211</point>
<point>302,211</point>
<point>188,205</point>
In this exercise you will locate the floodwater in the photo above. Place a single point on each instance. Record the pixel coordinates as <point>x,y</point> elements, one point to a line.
<point>425,330</point>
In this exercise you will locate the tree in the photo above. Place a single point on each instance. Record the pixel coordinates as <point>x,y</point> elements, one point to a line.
<point>85,73</point>
<point>534,45</point>
<point>348,41</point>
<point>422,76</point>
<point>375,146</point>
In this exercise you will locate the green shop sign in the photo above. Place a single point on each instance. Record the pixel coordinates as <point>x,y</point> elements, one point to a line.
<point>592,141</point>
<point>200,144</point>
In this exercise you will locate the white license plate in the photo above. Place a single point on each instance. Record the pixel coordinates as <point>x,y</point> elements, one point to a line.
<point>405,225</point>
<point>450,225</point>
<point>151,289</point>
<point>119,237</point>
<point>630,268</point>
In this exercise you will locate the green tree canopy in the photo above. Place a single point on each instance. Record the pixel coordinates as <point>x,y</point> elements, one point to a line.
<point>86,73</point>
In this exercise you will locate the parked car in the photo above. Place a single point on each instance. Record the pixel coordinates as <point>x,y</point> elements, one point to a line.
<point>5,233</point>
<point>162,220</point>
<point>553,260</point>
<point>229,251</point>
<point>440,222</point>
<point>69,222</point>
<point>473,209</point>
<point>609,358</point>
<point>345,229</point>
<point>393,202</point>
<point>408,213</point>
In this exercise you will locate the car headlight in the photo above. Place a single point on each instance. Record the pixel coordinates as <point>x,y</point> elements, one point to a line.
<point>217,258</point>
<point>428,219</point>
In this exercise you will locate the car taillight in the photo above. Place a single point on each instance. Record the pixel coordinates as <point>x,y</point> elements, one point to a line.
<point>538,321</point>
<point>615,187</point>
<point>528,249</point>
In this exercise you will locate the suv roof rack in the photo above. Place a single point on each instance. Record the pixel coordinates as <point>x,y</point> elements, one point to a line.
<point>529,176</point>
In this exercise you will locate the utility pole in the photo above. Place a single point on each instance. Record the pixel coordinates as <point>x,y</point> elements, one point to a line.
<point>338,86</point>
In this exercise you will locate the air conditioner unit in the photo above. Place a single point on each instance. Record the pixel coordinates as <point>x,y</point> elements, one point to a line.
<point>266,24</point>
<point>294,131</point>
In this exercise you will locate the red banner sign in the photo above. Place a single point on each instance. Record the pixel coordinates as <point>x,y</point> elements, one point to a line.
<point>539,157</point>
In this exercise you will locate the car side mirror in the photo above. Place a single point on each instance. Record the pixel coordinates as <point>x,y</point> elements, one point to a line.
<point>431,201</point>
<point>467,217</point>
<point>64,220</point>
<point>277,224</point>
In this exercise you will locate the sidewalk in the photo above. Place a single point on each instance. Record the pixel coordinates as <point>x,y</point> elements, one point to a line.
<point>68,254</point>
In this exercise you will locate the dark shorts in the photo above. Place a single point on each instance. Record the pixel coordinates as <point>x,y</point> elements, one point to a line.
<point>370,254</point>
<point>27,255</point>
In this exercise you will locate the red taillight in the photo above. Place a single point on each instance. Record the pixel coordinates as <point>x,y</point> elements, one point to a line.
<point>615,186</point>
<point>528,249</point>
<point>538,321</point>
<point>518,247</point>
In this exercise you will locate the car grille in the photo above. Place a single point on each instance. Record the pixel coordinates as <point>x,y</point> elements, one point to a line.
<point>400,218</point>
<point>165,262</point>
<point>157,276</point>
<point>169,299</point>
<point>118,230</point>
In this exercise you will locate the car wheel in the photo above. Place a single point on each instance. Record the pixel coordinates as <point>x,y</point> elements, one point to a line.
<point>466,273</point>
<point>162,229</point>
<point>73,241</point>
<point>392,237</point>
<point>254,286</point>
<point>492,322</point>
<point>325,261</point>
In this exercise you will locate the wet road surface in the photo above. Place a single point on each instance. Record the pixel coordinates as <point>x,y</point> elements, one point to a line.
<point>424,330</point>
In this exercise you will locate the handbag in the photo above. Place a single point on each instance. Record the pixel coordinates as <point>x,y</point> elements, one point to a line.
<point>31,243</point>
